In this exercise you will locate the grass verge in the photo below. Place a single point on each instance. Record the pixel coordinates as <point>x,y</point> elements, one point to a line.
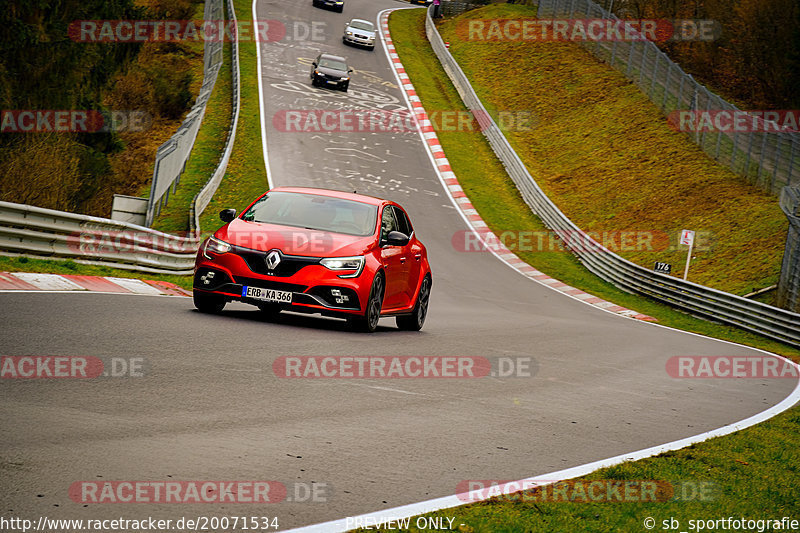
<point>208,146</point>
<point>605,154</point>
<point>753,471</point>
<point>245,177</point>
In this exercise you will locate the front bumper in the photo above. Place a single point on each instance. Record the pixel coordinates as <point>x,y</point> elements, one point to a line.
<point>360,41</point>
<point>314,288</point>
<point>326,81</point>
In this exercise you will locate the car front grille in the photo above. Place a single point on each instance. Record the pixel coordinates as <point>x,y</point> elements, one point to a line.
<point>289,265</point>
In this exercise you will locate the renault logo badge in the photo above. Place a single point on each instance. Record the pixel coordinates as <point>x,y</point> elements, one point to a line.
<point>273,259</point>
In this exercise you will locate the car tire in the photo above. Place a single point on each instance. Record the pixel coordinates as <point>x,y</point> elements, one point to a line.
<point>369,321</point>
<point>372,47</point>
<point>416,319</point>
<point>340,9</point>
<point>270,310</point>
<point>208,303</point>
<point>345,86</point>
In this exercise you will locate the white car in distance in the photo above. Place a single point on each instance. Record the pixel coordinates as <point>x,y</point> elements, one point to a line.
<point>359,32</point>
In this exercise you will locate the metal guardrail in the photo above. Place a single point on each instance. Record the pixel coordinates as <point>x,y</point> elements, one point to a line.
<point>171,156</point>
<point>35,231</point>
<point>695,299</point>
<point>767,157</point>
<point>203,198</point>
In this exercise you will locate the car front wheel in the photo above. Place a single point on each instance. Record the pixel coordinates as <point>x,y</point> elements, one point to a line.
<point>207,302</point>
<point>415,320</point>
<point>369,321</point>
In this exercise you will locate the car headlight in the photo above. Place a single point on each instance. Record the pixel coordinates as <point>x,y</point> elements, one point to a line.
<point>215,246</point>
<point>349,33</point>
<point>345,263</point>
<point>345,79</point>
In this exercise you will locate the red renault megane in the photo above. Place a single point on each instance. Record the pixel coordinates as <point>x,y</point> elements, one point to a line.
<point>317,251</point>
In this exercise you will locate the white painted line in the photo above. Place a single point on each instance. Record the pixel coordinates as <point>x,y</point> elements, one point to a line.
<point>136,286</point>
<point>261,107</point>
<point>48,282</point>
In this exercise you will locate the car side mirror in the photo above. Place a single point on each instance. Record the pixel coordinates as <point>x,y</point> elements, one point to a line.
<point>313,63</point>
<point>226,215</point>
<point>349,70</point>
<point>396,238</point>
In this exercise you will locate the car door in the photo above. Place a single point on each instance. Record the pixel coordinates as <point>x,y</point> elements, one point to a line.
<point>394,262</point>
<point>413,257</point>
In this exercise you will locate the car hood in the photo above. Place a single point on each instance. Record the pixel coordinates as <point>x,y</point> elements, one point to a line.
<point>332,72</point>
<point>291,240</point>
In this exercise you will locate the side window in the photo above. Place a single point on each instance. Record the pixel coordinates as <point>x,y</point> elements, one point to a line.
<point>388,222</point>
<point>403,224</point>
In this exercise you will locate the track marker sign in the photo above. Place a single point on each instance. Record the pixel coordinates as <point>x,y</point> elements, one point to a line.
<point>687,239</point>
<point>662,268</point>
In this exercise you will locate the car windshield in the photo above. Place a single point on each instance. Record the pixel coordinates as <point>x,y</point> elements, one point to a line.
<point>362,25</point>
<point>313,211</point>
<point>332,63</point>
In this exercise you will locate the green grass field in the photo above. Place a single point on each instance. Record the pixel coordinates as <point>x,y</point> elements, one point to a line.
<point>604,153</point>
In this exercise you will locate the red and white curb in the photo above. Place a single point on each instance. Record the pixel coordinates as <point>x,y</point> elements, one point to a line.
<point>31,281</point>
<point>459,197</point>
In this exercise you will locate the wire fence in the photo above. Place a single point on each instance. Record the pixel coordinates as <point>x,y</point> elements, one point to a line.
<point>768,158</point>
<point>171,156</point>
<point>789,284</point>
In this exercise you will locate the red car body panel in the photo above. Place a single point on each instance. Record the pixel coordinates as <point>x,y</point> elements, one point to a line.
<point>404,267</point>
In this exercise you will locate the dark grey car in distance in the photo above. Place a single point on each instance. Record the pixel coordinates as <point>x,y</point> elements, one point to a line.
<point>330,71</point>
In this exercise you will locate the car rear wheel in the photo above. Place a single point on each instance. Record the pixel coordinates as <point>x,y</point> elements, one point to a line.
<point>208,303</point>
<point>415,320</point>
<point>369,322</point>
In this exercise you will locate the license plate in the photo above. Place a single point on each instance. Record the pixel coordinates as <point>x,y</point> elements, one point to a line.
<point>332,82</point>
<point>267,295</point>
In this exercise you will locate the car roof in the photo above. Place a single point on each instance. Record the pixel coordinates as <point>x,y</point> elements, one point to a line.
<point>364,199</point>
<point>331,56</point>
